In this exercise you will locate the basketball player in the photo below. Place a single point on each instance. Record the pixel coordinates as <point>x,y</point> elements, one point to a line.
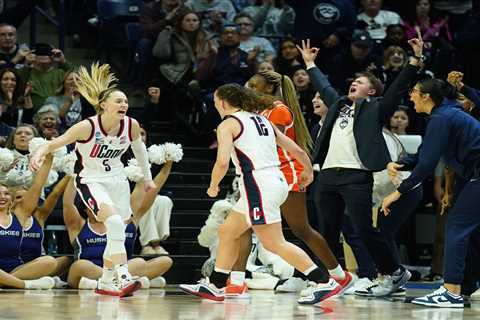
<point>100,181</point>
<point>251,141</point>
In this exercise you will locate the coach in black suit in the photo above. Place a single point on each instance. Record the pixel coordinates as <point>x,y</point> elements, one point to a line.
<point>349,149</point>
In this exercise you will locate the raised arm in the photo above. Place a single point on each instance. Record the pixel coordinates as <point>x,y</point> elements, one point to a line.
<point>288,144</point>
<point>80,131</point>
<point>43,212</point>
<point>149,196</point>
<point>400,86</point>
<point>32,195</point>
<point>319,80</point>
<point>226,131</point>
<point>71,217</point>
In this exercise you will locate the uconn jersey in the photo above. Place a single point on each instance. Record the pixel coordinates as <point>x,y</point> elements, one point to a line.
<point>262,185</point>
<point>255,147</point>
<point>99,155</point>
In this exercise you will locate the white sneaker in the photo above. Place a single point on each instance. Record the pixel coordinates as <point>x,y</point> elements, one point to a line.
<point>441,298</point>
<point>144,281</point>
<point>360,284</point>
<point>42,283</point>
<point>475,296</point>
<point>318,292</point>
<point>108,288</point>
<point>59,283</point>
<point>386,285</point>
<point>87,284</point>
<point>158,282</point>
<point>292,284</point>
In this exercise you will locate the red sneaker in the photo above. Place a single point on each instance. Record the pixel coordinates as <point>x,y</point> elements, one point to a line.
<point>129,288</point>
<point>346,282</point>
<point>235,291</point>
<point>108,289</point>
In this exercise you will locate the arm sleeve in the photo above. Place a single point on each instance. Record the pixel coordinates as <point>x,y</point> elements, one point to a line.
<point>140,153</point>
<point>435,143</point>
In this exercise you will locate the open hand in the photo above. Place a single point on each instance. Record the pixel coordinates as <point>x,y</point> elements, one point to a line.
<point>308,54</point>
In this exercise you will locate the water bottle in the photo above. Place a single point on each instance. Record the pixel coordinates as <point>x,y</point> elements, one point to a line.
<point>52,247</point>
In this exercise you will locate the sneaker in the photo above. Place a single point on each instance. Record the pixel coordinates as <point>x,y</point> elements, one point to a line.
<point>263,282</point>
<point>144,281</point>
<point>108,288</point>
<point>475,296</point>
<point>204,289</point>
<point>386,285</point>
<point>236,291</point>
<point>360,284</point>
<point>45,283</point>
<point>440,298</point>
<point>128,287</point>
<point>401,292</point>
<point>292,284</point>
<point>346,282</point>
<point>59,283</point>
<point>320,291</point>
<point>433,277</point>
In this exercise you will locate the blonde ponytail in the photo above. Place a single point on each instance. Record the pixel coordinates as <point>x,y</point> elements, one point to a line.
<point>95,86</point>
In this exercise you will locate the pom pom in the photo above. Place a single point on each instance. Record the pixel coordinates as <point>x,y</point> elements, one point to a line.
<point>16,177</point>
<point>52,178</point>
<point>6,158</point>
<point>60,152</point>
<point>66,163</point>
<point>133,171</point>
<point>173,152</point>
<point>35,143</point>
<point>156,154</point>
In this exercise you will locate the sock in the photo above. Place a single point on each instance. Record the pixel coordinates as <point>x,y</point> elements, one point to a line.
<point>237,278</point>
<point>87,284</point>
<point>337,272</point>
<point>316,275</point>
<point>298,274</point>
<point>219,277</point>
<point>122,272</point>
<point>107,275</point>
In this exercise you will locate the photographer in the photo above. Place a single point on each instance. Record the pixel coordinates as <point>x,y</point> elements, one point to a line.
<point>45,71</point>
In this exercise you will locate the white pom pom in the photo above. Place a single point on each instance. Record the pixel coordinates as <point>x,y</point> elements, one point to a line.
<point>173,152</point>
<point>35,143</point>
<point>60,152</point>
<point>17,177</point>
<point>6,158</point>
<point>66,163</point>
<point>52,178</point>
<point>156,154</point>
<point>133,171</point>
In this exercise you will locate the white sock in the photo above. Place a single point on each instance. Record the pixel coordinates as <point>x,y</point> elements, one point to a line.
<point>222,270</point>
<point>107,275</point>
<point>237,278</point>
<point>337,272</point>
<point>158,282</point>
<point>122,272</point>
<point>42,283</point>
<point>87,284</point>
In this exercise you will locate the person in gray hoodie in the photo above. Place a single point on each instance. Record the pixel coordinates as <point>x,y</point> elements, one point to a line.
<point>213,13</point>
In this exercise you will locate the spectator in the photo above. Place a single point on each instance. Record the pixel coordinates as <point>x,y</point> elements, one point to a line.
<point>353,60</point>
<point>213,13</point>
<point>15,101</point>
<point>376,20</point>
<point>12,54</point>
<point>250,43</point>
<point>182,49</point>
<point>397,36</point>
<point>394,59</point>
<point>328,23</point>
<point>18,143</point>
<point>288,57</point>
<point>68,102</point>
<point>273,19</point>
<point>265,66</point>
<point>399,121</point>
<point>46,74</point>
<point>47,121</point>
<point>305,94</point>
<point>154,17</point>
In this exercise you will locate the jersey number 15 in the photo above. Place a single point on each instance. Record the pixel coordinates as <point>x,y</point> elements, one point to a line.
<point>260,125</point>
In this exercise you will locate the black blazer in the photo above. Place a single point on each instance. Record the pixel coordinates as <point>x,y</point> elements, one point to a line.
<point>369,118</point>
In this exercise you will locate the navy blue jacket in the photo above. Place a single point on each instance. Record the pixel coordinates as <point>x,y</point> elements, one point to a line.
<point>452,134</point>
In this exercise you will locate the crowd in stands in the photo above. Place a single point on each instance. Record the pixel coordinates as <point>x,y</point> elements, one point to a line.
<point>186,49</point>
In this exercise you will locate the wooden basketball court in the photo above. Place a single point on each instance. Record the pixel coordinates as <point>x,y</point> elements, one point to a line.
<point>173,304</point>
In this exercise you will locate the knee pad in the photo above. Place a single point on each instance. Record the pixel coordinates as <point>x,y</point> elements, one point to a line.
<point>115,228</point>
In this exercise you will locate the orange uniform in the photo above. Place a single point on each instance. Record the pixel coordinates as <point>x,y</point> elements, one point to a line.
<point>281,116</point>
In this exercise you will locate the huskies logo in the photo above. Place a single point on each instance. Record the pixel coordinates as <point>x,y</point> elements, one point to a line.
<point>105,152</point>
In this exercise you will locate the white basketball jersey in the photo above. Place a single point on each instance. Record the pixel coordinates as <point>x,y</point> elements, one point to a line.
<point>255,148</point>
<point>99,155</point>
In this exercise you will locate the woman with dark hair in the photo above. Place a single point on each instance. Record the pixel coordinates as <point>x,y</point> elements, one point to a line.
<point>399,121</point>
<point>454,135</point>
<point>15,102</point>
<point>288,57</point>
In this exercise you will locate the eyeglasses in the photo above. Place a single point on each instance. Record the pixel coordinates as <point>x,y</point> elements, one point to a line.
<point>244,24</point>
